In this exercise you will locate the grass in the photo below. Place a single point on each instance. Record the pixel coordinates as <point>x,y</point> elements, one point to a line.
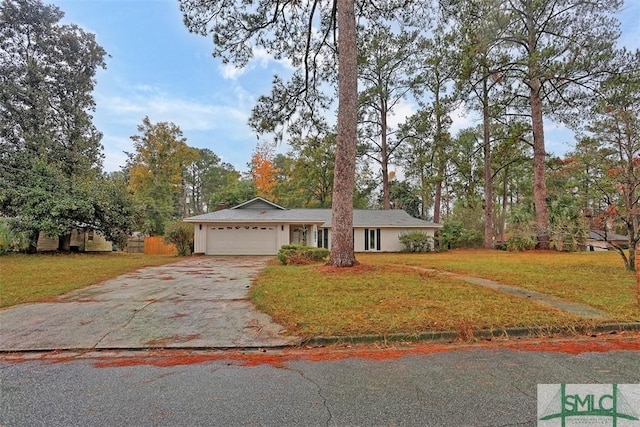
<point>385,295</point>
<point>33,278</point>
<point>597,279</point>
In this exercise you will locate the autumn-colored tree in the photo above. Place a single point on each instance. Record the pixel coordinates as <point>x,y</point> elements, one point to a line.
<point>315,36</point>
<point>263,170</point>
<point>313,164</point>
<point>616,125</point>
<point>156,172</point>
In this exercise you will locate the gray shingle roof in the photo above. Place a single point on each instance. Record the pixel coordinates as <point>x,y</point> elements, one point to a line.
<point>599,236</point>
<point>361,217</point>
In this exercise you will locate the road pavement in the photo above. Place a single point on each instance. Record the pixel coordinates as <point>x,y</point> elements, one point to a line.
<point>471,387</point>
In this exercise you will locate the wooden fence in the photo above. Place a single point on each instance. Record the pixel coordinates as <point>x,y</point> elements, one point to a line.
<point>135,245</point>
<point>156,246</point>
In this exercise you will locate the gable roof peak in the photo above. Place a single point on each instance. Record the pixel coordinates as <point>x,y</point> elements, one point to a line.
<point>258,203</point>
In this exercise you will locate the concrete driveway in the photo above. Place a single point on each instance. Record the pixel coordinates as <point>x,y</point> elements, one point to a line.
<point>200,302</point>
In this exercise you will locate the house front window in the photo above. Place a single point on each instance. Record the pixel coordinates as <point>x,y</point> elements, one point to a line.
<point>323,238</point>
<point>372,239</point>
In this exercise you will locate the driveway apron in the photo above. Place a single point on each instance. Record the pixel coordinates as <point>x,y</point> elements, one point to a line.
<point>200,302</point>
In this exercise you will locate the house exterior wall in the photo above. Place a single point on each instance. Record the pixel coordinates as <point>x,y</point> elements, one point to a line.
<point>389,241</point>
<point>283,235</point>
<point>79,241</point>
<point>389,238</point>
<point>200,238</point>
<point>46,243</point>
<point>87,243</point>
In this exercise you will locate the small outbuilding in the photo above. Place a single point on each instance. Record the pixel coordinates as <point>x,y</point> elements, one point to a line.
<point>261,227</point>
<point>599,240</point>
<point>79,241</point>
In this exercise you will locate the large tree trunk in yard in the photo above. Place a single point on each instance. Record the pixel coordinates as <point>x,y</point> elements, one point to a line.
<point>384,155</point>
<point>503,214</point>
<point>637,279</point>
<point>437,200</point>
<point>342,248</point>
<point>539,179</point>
<point>488,176</point>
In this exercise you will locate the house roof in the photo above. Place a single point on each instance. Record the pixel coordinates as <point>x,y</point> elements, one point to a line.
<point>261,210</point>
<point>600,236</point>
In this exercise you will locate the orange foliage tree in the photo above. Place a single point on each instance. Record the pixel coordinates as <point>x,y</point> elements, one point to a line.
<point>263,170</point>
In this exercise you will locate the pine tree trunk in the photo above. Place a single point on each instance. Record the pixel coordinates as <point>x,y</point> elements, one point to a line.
<point>342,244</point>
<point>638,287</point>
<point>384,155</point>
<point>437,200</point>
<point>488,178</point>
<point>503,214</point>
<point>539,152</point>
<point>539,180</point>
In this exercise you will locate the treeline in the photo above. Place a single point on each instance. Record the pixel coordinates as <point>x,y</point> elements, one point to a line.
<point>514,65</point>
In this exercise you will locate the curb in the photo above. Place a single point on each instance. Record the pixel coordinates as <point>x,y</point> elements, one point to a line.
<point>432,336</point>
<point>485,334</point>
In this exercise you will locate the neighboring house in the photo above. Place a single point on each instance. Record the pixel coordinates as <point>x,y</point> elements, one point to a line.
<point>81,241</point>
<point>602,241</point>
<point>260,227</point>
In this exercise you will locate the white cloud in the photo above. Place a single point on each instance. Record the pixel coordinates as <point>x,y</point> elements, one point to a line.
<point>114,152</point>
<point>461,118</point>
<point>185,113</point>
<point>205,123</point>
<point>261,59</point>
<point>231,72</point>
<point>403,109</point>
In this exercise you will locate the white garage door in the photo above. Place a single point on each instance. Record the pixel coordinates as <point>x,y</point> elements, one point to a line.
<point>242,240</point>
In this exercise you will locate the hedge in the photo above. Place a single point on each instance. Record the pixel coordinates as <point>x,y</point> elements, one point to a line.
<point>300,254</point>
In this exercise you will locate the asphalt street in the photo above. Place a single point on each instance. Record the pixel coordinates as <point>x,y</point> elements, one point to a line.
<point>471,387</point>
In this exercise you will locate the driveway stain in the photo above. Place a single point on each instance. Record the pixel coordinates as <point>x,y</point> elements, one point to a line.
<point>199,302</point>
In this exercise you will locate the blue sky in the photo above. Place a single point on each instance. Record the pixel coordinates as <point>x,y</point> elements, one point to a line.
<point>158,69</point>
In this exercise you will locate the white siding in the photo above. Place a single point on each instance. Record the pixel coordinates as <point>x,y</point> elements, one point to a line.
<point>268,243</point>
<point>358,243</point>
<point>200,239</point>
<point>389,238</point>
<point>283,235</point>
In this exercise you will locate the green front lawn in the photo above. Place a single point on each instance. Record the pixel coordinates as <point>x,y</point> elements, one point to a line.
<point>32,278</point>
<point>598,279</point>
<point>385,295</point>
